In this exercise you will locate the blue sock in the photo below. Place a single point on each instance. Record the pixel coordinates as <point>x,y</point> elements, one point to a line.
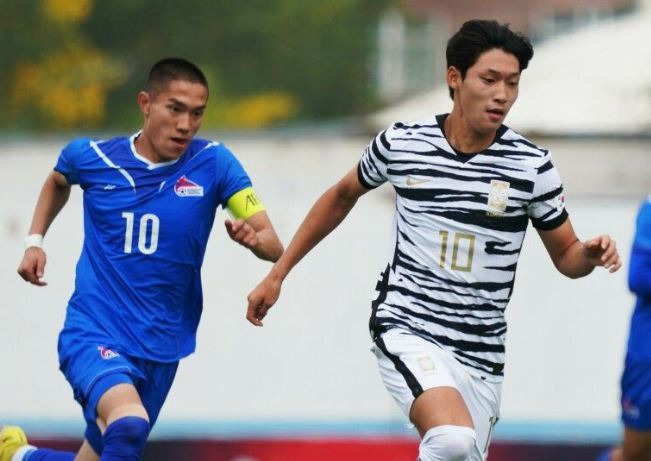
<point>124,439</point>
<point>605,455</point>
<point>45,454</point>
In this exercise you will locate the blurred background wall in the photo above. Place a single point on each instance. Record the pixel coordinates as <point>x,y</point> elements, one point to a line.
<point>297,91</point>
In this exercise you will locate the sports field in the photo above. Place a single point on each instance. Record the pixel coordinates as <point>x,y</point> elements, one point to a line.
<point>305,386</point>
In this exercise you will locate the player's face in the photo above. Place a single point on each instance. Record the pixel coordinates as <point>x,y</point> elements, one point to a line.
<point>172,118</point>
<point>488,91</point>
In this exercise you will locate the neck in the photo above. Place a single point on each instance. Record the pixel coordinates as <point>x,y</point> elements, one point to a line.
<point>462,137</point>
<point>145,148</point>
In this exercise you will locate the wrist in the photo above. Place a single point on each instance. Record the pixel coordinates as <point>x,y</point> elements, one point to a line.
<point>33,241</point>
<point>277,274</point>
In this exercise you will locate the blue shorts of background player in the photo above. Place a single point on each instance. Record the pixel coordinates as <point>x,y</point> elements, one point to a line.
<point>92,368</point>
<point>636,394</point>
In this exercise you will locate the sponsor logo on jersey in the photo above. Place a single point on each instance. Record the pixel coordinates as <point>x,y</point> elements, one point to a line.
<point>498,197</point>
<point>560,202</point>
<point>426,364</point>
<point>106,353</point>
<point>630,409</point>
<point>109,187</point>
<point>413,181</point>
<point>187,188</point>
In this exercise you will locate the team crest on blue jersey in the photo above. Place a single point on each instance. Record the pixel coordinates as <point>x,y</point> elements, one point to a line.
<point>187,188</point>
<point>106,353</point>
<point>498,198</point>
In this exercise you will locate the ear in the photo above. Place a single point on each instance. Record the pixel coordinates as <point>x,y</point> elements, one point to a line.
<point>454,78</point>
<point>144,102</point>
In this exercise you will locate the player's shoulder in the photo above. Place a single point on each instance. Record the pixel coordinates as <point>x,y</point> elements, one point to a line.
<point>207,148</point>
<point>510,139</point>
<point>82,144</point>
<point>408,135</point>
<point>645,207</point>
<point>643,221</point>
<point>212,151</point>
<point>78,144</point>
<point>414,128</point>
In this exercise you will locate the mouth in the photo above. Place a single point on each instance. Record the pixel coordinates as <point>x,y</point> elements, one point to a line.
<point>181,142</point>
<point>496,114</point>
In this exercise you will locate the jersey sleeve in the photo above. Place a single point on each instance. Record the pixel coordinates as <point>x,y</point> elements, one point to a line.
<point>69,159</point>
<point>372,168</point>
<point>639,271</point>
<point>232,176</point>
<point>547,206</point>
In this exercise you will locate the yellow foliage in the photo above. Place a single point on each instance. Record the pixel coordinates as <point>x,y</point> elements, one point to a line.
<point>71,11</point>
<point>256,111</point>
<point>66,88</point>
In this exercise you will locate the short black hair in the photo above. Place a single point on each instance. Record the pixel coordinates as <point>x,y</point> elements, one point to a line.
<point>169,69</point>
<point>480,35</point>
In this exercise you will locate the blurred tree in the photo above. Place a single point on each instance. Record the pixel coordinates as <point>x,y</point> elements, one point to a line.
<point>56,78</point>
<point>80,63</point>
<point>266,60</point>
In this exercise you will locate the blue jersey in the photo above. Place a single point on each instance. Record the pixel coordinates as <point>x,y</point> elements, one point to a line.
<point>146,226</point>
<point>639,281</point>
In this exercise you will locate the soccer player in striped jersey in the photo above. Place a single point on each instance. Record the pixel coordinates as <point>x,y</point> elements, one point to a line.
<point>150,200</point>
<point>466,186</point>
<point>636,378</point>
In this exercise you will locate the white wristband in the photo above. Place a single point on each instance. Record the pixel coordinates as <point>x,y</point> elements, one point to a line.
<point>34,240</point>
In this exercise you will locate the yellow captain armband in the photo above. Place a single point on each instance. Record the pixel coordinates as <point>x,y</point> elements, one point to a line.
<point>244,204</point>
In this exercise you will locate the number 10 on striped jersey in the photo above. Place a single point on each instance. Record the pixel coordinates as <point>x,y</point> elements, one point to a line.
<point>463,243</point>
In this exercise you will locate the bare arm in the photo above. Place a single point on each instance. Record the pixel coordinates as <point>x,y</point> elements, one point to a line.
<point>53,197</point>
<point>324,216</point>
<point>574,258</point>
<point>257,234</point>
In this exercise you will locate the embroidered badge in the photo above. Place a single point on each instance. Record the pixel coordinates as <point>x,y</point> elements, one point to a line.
<point>497,198</point>
<point>187,188</point>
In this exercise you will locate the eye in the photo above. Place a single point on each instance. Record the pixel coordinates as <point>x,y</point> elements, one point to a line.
<point>488,80</point>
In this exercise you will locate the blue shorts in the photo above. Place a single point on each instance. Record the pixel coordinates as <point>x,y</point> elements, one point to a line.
<point>636,394</point>
<point>92,368</point>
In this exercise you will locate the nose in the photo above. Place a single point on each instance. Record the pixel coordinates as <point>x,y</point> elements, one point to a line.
<point>500,95</point>
<point>183,123</point>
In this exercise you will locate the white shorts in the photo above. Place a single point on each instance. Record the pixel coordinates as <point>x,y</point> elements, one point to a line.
<point>409,365</point>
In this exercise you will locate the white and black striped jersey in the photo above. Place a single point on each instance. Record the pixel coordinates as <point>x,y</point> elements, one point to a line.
<point>459,225</point>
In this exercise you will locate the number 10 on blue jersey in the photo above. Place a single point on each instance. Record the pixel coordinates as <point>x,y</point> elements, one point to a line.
<point>147,236</point>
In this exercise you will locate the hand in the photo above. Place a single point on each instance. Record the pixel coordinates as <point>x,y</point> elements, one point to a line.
<point>242,232</point>
<point>32,266</point>
<point>602,251</point>
<point>261,299</point>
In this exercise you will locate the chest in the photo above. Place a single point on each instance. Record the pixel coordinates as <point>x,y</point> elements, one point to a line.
<point>173,202</point>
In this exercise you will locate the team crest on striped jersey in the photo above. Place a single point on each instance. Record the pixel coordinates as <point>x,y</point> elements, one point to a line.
<point>497,198</point>
<point>187,188</point>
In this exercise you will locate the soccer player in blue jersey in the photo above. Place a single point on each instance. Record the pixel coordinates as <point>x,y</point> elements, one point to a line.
<point>636,379</point>
<point>149,204</point>
<point>466,187</point>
